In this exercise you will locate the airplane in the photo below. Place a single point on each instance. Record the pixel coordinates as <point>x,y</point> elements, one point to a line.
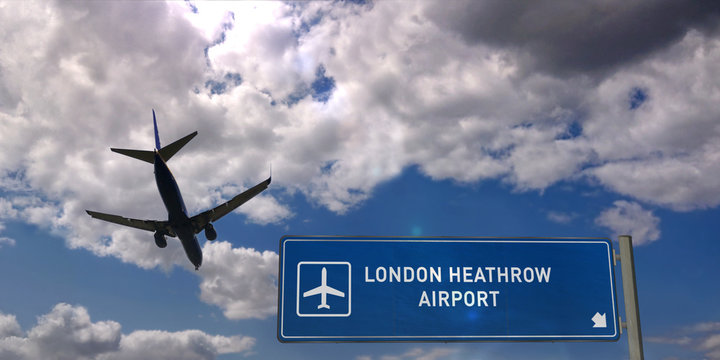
<point>179,223</point>
<point>323,290</point>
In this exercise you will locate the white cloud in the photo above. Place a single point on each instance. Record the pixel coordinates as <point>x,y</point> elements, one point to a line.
<point>701,337</point>
<point>9,326</point>
<point>709,326</point>
<point>681,183</point>
<point>560,217</point>
<point>629,218</point>
<point>6,241</point>
<point>227,273</point>
<point>410,98</point>
<point>682,340</point>
<point>64,333</point>
<point>666,151</point>
<point>711,342</point>
<point>188,344</point>
<point>266,209</point>
<point>68,333</point>
<point>7,211</point>
<point>410,90</point>
<point>417,354</point>
<point>243,282</point>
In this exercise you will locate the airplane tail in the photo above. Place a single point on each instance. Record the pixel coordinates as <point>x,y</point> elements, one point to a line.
<point>157,137</point>
<point>165,152</point>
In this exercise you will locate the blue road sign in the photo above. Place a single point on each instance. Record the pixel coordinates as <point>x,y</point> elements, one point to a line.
<point>446,289</point>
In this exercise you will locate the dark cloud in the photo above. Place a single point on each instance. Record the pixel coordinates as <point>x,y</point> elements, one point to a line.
<point>569,37</point>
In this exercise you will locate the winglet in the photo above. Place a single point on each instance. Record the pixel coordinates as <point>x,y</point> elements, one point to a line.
<point>157,137</point>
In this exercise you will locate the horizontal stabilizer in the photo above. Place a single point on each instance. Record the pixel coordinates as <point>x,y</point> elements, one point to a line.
<point>144,155</point>
<point>168,151</point>
<point>149,156</point>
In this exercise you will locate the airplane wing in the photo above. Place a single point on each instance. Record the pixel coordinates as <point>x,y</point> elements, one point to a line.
<point>149,225</point>
<point>312,292</point>
<point>335,292</point>
<point>200,220</point>
<point>323,289</point>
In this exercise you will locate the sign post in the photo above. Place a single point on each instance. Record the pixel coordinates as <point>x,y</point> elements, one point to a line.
<point>446,289</point>
<point>632,309</point>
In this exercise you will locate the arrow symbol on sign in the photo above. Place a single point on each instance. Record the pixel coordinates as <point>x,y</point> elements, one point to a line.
<point>599,320</point>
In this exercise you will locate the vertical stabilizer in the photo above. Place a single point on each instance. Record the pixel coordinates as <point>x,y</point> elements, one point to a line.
<point>166,152</point>
<point>157,137</point>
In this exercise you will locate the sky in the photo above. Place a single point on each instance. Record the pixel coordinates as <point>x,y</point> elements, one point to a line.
<point>387,118</point>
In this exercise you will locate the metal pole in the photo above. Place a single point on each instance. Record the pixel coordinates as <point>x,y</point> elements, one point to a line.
<point>632,310</point>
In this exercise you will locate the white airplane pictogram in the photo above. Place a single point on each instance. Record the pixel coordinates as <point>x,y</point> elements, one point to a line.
<point>323,290</point>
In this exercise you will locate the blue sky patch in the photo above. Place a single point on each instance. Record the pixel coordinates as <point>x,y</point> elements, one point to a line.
<point>573,130</point>
<point>234,78</point>
<point>305,26</point>
<point>221,87</point>
<point>637,97</point>
<point>215,87</point>
<point>320,90</point>
<point>323,85</point>
<point>326,168</point>
<point>356,2</point>
<point>192,6</point>
<point>297,95</point>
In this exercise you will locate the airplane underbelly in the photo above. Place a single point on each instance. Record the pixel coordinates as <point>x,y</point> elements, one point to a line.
<point>170,194</point>
<point>190,244</point>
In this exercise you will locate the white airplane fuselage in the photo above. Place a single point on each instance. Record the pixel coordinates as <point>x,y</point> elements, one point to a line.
<point>323,290</point>
<point>323,294</point>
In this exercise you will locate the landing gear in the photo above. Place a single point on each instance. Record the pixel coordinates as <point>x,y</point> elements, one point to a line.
<point>197,267</point>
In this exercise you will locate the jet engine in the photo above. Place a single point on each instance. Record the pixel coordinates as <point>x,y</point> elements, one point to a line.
<point>210,233</point>
<point>160,240</point>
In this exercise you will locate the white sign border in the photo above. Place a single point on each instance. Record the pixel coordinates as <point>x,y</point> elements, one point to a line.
<point>444,338</point>
<point>297,307</point>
